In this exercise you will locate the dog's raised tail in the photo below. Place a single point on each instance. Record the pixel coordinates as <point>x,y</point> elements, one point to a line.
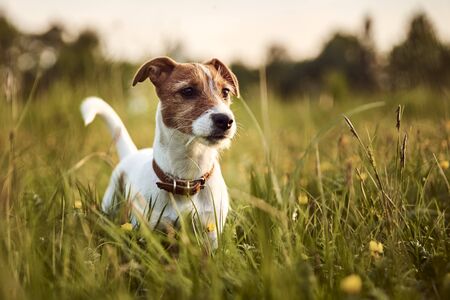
<point>93,106</point>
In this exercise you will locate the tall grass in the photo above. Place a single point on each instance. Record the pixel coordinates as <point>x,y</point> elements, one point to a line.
<point>319,188</point>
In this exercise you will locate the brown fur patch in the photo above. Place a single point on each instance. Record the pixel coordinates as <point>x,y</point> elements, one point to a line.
<point>226,74</point>
<point>180,112</point>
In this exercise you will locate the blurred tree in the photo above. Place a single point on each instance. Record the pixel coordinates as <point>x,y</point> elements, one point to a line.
<point>247,76</point>
<point>277,53</point>
<point>370,58</point>
<point>278,68</point>
<point>367,37</point>
<point>52,37</point>
<point>421,59</point>
<point>77,58</point>
<point>8,35</point>
<point>346,54</point>
<point>24,56</point>
<point>345,62</point>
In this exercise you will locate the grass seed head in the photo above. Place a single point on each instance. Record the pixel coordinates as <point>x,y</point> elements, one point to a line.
<point>371,157</point>
<point>399,117</point>
<point>352,128</point>
<point>403,152</point>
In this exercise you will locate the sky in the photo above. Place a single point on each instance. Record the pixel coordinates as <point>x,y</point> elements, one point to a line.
<point>231,30</point>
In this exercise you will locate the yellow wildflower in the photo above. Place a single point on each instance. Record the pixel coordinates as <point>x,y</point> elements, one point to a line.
<point>351,284</point>
<point>302,199</point>
<point>78,204</point>
<point>210,227</point>
<point>375,248</point>
<point>127,226</point>
<point>444,164</point>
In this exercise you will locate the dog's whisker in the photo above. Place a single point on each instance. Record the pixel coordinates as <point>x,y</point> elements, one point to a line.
<point>190,140</point>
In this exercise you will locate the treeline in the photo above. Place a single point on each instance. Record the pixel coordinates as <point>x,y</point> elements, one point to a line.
<point>351,62</point>
<point>46,58</point>
<point>346,62</point>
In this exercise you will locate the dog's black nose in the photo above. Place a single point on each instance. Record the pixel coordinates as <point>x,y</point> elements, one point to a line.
<point>222,121</point>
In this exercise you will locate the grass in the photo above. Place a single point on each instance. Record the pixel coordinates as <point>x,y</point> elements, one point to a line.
<point>309,195</point>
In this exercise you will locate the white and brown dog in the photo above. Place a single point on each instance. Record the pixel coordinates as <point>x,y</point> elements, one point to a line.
<point>181,173</point>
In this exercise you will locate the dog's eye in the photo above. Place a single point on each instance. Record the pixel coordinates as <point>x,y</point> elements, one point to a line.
<point>188,92</point>
<point>225,92</point>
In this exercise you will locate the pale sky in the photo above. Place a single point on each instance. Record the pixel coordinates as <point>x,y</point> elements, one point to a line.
<point>227,29</point>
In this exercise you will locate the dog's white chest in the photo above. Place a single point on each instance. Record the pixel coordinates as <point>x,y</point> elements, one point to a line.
<point>150,203</point>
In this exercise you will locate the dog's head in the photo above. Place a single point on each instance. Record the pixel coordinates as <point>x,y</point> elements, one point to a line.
<point>195,98</point>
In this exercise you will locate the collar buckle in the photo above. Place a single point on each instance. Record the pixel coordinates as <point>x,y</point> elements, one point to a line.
<point>180,186</point>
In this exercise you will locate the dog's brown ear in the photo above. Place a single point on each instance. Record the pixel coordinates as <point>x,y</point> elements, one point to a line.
<point>157,70</point>
<point>226,73</point>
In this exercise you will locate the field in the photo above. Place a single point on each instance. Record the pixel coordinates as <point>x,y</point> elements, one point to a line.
<point>321,208</point>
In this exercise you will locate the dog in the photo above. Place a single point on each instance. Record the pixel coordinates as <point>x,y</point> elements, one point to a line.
<point>181,173</point>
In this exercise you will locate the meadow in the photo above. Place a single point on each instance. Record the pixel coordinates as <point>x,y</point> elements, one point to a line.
<point>322,208</point>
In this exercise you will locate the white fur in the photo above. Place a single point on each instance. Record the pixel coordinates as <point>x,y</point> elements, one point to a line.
<point>203,126</point>
<point>93,106</point>
<point>211,83</point>
<point>179,154</point>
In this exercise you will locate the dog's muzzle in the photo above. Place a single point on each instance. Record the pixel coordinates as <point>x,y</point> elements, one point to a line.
<point>221,126</point>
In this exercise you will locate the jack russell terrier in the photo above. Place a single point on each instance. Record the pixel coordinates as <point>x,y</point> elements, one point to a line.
<point>181,174</point>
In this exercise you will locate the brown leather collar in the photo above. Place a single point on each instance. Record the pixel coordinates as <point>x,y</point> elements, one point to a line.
<point>180,186</point>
